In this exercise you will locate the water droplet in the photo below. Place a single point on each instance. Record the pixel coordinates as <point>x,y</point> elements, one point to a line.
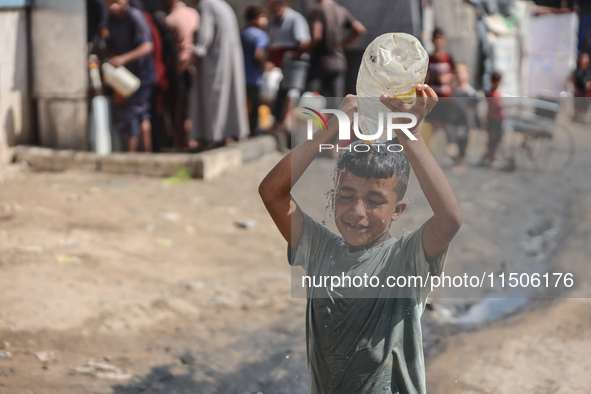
<point>286,356</point>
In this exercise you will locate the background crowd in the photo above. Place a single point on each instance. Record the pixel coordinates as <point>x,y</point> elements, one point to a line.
<point>202,77</point>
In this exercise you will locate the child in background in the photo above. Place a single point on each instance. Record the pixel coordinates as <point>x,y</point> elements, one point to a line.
<point>441,65</point>
<point>465,99</point>
<point>254,44</point>
<point>131,42</point>
<point>365,340</point>
<point>440,78</point>
<point>495,118</point>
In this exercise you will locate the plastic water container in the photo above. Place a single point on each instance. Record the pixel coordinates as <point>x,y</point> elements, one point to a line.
<point>394,63</point>
<point>271,80</point>
<point>120,79</point>
<point>100,126</point>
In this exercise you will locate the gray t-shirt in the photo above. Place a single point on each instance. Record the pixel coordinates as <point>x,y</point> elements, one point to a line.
<point>328,55</point>
<point>289,31</point>
<point>364,345</point>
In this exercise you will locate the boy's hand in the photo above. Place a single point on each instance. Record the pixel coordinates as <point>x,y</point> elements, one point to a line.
<point>447,215</point>
<point>426,100</point>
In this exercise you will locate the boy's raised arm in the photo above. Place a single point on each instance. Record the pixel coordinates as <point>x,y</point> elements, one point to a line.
<point>275,189</point>
<point>447,215</point>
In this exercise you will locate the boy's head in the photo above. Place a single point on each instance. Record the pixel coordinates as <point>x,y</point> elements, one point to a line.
<point>462,73</point>
<point>439,40</point>
<point>495,80</point>
<point>256,16</point>
<point>370,184</point>
<point>118,8</point>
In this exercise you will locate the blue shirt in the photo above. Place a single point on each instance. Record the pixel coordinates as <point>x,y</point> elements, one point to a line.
<point>252,39</point>
<point>127,34</point>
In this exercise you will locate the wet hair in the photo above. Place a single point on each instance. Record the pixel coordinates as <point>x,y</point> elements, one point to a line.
<point>496,76</point>
<point>253,11</point>
<point>438,32</point>
<point>377,163</point>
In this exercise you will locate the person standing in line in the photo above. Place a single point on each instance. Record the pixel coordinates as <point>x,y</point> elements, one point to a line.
<point>96,21</point>
<point>131,42</point>
<point>290,36</point>
<point>254,44</point>
<point>495,118</point>
<point>440,77</point>
<point>183,22</point>
<point>161,83</point>
<point>329,22</point>
<point>441,65</point>
<point>218,102</point>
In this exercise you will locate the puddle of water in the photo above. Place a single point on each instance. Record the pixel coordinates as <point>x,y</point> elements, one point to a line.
<point>490,309</point>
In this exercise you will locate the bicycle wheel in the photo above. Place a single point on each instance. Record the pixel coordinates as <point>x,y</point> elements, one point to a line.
<point>552,152</point>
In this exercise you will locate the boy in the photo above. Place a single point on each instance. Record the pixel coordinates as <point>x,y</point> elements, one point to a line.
<point>366,345</point>
<point>495,117</point>
<point>254,44</point>
<point>131,42</point>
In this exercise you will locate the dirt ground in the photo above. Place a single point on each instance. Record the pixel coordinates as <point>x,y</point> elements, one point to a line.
<point>123,284</point>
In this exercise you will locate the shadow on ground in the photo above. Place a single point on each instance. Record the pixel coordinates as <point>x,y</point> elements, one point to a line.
<point>278,374</point>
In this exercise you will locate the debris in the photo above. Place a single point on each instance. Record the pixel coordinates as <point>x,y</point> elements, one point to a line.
<point>31,249</point>
<point>246,224</point>
<point>4,354</point>
<point>94,191</point>
<point>182,175</point>
<point>103,370</point>
<point>172,216</point>
<point>190,229</point>
<point>165,243</point>
<point>67,259</point>
<point>67,243</point>
<point>194,285</point>
<point>46,356</point>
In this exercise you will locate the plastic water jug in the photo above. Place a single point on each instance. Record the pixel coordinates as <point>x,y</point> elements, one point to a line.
<point>271,80</point>
<point>394,63</point>
<point>120,79</point>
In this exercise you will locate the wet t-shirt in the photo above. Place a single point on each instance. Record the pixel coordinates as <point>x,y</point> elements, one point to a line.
<point>365,340</point>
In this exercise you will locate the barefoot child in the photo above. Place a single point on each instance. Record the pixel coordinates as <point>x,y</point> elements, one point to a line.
<point>362,340</point>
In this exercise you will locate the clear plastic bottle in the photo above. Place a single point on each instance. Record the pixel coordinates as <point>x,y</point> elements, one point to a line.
<point>394,63</point>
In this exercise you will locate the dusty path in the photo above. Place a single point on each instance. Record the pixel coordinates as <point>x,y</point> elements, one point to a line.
<point>157,280</point>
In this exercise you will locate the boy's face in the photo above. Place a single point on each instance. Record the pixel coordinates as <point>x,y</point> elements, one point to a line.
<point>364,209</point>
<point>262,22</point>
